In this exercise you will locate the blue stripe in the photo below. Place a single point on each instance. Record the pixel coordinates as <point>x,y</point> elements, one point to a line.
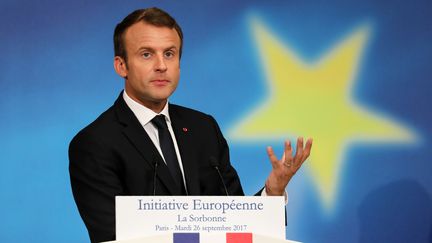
<point>186,238</point>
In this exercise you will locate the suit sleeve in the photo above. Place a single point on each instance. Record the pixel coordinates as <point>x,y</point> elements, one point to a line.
<point>229,174</point>
<point>95,182</point>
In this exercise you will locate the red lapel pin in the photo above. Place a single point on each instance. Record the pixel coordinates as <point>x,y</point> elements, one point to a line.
<point>185,129</point>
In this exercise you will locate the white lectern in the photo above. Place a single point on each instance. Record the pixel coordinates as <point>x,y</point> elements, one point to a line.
<point>200,219</point>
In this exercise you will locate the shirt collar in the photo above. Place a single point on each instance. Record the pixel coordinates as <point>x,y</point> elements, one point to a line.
<point>144,114</point>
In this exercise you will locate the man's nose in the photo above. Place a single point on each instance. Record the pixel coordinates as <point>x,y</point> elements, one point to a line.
<point>160,65</point>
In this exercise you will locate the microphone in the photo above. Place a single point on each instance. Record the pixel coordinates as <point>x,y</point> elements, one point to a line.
<point>154,177</point>
<point>215,164</point>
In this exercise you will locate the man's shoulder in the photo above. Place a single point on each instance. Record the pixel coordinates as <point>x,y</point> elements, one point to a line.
<point>182,110</point>
<point>189,114</point>
<point>103,127</point>
<point>105,120</point>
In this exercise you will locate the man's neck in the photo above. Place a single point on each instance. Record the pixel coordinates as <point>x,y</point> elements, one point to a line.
<point>156,106</point>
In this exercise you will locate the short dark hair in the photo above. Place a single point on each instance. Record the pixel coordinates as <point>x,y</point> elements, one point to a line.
<point>153,16</point>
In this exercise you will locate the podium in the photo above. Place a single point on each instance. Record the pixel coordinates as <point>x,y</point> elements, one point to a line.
<point>200,219</point>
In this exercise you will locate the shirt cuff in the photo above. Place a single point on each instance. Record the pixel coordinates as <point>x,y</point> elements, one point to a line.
<point>264,194</point>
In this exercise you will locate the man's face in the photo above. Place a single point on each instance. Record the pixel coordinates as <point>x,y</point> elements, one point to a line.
<point>153,64</point>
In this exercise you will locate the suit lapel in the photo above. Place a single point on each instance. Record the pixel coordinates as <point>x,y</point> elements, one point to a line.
<point>182,131</point>
<point>142,142</point>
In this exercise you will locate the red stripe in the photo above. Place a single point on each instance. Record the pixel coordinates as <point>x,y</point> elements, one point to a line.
<point>238,237</point>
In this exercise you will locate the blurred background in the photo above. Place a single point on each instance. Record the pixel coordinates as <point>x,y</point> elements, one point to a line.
<point>354,75</point>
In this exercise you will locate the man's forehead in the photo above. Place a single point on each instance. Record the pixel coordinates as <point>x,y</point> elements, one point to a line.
<point>142,33</point>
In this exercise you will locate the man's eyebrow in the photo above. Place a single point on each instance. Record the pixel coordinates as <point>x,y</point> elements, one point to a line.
<point>145,48</point>
<point>173,47</point>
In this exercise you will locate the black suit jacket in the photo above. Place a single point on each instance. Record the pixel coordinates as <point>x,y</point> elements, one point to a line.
<point>115,156</point>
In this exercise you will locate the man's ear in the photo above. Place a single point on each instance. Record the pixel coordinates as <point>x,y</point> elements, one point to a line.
<point>120,66</point>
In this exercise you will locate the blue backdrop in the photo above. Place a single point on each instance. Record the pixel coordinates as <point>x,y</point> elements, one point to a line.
<point>355,75</point>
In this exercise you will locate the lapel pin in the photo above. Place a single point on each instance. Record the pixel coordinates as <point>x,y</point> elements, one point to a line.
<point>185,129</point>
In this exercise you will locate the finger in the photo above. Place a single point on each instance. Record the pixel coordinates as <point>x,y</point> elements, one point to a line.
<point>288,151</point>
<point>287,158</point>
<point>299,151</point>
<point>283,157</point>
<point>307,149</point>
<point>272,156</point>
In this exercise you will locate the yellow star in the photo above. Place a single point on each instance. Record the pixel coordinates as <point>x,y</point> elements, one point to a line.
<point>315,100</point>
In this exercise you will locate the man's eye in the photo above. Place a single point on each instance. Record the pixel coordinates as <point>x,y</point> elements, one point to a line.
<point>169,54</point>
<point>146,55</point>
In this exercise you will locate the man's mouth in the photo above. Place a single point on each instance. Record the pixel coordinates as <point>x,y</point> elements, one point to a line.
<point>160,82</point>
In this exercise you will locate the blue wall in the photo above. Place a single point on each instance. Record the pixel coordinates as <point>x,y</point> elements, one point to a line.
<point>56,76</point>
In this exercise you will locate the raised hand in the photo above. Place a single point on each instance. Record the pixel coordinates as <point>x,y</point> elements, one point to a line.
<point>285,168</point>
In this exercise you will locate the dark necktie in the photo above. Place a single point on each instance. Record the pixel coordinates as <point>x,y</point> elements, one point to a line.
<point>168,151</point>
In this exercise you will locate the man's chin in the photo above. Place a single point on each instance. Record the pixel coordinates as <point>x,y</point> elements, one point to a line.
<point>163,95</point>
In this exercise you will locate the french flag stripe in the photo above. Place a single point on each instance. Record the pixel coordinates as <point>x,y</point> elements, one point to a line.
<point>238,237</point>
<point>186,238</point>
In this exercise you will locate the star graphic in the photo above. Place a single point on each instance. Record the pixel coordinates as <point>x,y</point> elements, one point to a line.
<point>315,100</point>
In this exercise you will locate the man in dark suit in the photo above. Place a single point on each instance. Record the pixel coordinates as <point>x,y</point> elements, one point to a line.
<point>143,145</point>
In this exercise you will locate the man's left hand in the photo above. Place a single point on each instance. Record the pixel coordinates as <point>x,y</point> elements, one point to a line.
<point>286,167</point>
